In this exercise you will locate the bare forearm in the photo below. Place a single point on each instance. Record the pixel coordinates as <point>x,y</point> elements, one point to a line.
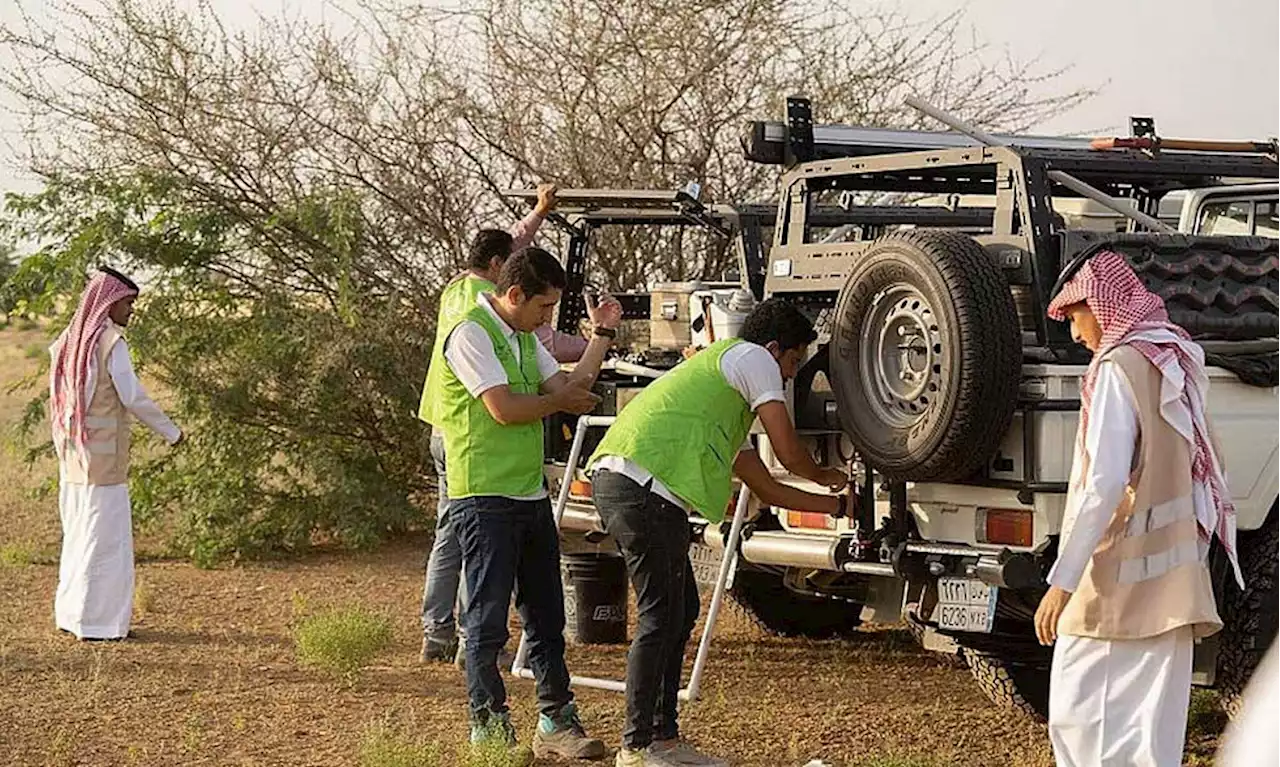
<point>775,493</point>
<point>800,463</point>
<point>510,409</point>
<point>588,367</point>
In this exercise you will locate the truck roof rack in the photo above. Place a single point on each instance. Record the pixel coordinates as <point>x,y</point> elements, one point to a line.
<point>766,141</point>
<point>798,140</point>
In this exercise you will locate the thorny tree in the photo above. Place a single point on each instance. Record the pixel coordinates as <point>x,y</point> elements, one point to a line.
<point>296,194</point>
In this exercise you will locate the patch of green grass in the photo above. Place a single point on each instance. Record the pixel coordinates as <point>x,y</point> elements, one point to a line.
<point>34,351</point>
<point>385,746</point>
<point>494,754</point>
<point>341,641</point>
<point>144,600</point>
<point>17,555</point>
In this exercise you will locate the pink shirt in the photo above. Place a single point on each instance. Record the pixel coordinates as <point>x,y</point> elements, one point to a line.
<point>565,347</point>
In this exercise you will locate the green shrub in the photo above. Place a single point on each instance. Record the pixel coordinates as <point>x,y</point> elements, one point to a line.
<point>385,746</point>
<point>16,555</point>
<point>341,641</point>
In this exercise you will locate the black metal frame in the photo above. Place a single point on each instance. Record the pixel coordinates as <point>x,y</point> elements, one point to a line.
<point>583,211</point>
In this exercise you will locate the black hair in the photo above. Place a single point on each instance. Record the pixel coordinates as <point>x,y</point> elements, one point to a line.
<point>488,245</point>
<point>130,284</point>
<point>533,269</point>
<point>777,320</point>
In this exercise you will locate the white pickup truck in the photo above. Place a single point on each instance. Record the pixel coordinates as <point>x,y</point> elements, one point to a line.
<point>937,369</point>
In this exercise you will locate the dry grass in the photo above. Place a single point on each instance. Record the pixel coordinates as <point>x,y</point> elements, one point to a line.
<point>213,677</point>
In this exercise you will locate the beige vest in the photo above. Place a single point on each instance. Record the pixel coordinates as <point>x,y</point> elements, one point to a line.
<point>1148,575</point>
<point>106,425</point>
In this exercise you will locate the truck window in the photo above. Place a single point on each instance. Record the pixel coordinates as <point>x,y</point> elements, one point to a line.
<point>1265,223</point>
<point>1225,217</point>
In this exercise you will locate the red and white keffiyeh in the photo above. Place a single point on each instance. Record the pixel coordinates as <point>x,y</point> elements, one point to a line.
<point>1130,314</point>
<point>73,356</point>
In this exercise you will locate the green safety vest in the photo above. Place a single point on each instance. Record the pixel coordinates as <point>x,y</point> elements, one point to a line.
<point>458,298</point>
<point>484,456</point>
<point>685,429</point>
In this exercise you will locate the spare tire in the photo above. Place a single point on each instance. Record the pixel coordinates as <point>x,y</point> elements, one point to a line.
<point>926,355</point>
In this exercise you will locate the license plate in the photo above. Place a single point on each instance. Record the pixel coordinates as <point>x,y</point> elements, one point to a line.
<point>706,564</point>
<point>965,604</point>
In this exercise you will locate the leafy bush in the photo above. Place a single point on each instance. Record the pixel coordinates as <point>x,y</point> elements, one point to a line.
<point>293,199</point>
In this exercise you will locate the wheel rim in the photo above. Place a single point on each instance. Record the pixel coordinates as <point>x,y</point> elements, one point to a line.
<point>901,356</point>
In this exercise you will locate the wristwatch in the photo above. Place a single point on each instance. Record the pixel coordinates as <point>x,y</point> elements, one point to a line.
<point>604,332</point>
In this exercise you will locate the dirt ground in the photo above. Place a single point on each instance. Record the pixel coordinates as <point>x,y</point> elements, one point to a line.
<point>212,676</point>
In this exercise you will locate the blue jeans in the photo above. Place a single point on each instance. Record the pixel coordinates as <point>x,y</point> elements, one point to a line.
<point>444,566</point>
<point>508,544</point>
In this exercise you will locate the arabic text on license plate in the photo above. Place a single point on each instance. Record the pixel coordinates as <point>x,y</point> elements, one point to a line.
<point>965,604</point>
<point>706,564</point>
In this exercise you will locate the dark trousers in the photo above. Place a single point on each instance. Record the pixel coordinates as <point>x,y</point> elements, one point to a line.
<point>653,535</point>
<point>508,544</point>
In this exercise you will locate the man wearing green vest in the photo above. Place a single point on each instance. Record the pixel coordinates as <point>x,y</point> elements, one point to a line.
<point>671,452</point>
<point>498,385</point>
<point>489,250</point>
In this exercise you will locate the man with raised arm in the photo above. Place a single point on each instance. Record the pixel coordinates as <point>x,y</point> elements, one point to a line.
<point>489,250</point>
<point>498,385</point>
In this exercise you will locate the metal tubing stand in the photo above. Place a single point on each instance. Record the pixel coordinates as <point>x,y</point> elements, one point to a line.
<point>519,667</point>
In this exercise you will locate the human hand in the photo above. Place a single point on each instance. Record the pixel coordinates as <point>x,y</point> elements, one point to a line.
<point>1049,612</point>
<point>546,199</point>
<point>834,479</point>
<point>575,397</point>
<point>606,313</point>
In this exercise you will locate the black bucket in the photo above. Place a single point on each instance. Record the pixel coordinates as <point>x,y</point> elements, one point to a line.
<point>595,598</point>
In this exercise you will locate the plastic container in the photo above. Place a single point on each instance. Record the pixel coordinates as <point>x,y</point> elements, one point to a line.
<point>595,597</point>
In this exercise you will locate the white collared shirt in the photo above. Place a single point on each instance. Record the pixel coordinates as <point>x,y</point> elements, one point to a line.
<point>470,355</point>
<point>753,372</point>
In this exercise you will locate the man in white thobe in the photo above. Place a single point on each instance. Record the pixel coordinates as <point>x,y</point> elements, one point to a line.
<point>94,395</point>
<point>1130,591</point>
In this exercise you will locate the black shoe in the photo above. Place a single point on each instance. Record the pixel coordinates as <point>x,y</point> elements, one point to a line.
<point>438,652</point>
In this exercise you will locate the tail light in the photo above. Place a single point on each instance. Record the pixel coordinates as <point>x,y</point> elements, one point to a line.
<point>1012,527</point>
<point>810,520</point>
<point>580,488</point>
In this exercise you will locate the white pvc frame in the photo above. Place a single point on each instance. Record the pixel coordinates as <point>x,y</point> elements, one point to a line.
<point>729,558</point>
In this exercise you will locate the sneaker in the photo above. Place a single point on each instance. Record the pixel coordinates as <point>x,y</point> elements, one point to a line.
<point>563,735</point>
<point>496,736</point>
<point>434,651</point>
<point>680,752</point>
<point>644,758</point>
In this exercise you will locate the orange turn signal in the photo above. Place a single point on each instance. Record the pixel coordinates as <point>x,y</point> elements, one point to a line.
<point>1013,527</point>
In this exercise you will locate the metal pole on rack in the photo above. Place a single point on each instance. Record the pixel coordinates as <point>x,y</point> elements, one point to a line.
<point>1066,179</point>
